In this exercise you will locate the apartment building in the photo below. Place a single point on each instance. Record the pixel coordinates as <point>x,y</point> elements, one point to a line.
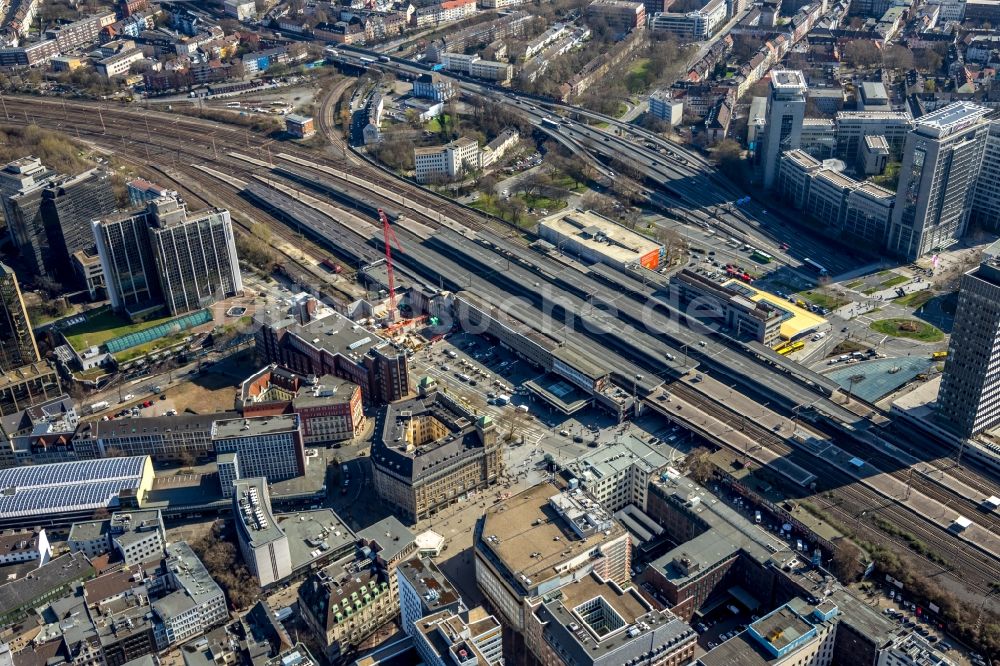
<point>81,32</point>
<point>433,86</point>
<point>696,25</point>
<point>262,543</point>
<point>937,182</point>
<point>473,65</point>
<point>20,546</point>
<point>429,452</point>
<point>118,64</point>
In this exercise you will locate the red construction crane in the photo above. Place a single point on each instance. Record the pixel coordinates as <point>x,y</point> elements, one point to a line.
<point>389,233</point>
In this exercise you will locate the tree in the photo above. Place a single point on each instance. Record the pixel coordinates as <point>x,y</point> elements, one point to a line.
<point>729,156</point>
<point>898,57</point>
<point>861,53</point>
<point>847,564</point>
<point>700,468</point>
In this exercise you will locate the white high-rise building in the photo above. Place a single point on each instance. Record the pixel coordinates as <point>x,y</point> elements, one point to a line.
<point>937,180</point>
<point>785,110</point>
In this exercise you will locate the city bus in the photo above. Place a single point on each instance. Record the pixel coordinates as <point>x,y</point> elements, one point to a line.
<point>816,266</point>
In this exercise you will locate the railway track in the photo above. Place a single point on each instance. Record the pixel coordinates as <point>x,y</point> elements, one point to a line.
<point>168,150</point>
<point>853,502</point>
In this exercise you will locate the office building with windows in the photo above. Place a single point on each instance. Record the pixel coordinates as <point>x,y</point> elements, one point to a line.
<point>429,452</point>
<point>195,602</point>
<point>136,536</point>
<point>21,184</point>
<point>970,386</point>
<point>17,341</point>
<point>164,256</point>
<point>937,180</point>
<point>786,109</point>
<point>267,446</point>
<point>986,201</point>
<point>263,544</point>
<point>69,206</point>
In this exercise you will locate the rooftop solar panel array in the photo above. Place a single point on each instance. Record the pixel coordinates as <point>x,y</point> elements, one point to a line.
<point>71,486</point>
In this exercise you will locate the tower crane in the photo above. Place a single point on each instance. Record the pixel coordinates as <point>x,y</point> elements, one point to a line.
<point>388,233</point>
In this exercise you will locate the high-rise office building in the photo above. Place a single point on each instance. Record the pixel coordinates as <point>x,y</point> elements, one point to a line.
<point>986,201</point>
<point>195,255</point>
<point>937,180</point>
<point>970,387</point>
<point>69,205</point>
<point>786,108</point>
<point>128,264</point>
<point>48,216</point>
<point>17,343</point>
<point>20,176</point>
<point>166,256</point>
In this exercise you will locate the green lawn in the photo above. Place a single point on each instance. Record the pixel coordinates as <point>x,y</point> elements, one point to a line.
<point>104,326</point>
<point>854,285</point>
<point>566,183</point>
<point>823,299</point>
<point>908,328</point>
<point>916,299</point>
<point>639,66</point>
<point>551,205</point>
<point>896,279</point>
<point>434,124</point>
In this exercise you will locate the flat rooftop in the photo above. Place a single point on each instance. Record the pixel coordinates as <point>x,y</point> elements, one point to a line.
<point>531,539</point>
<point>432,585</point>
<point>254,426</point>
<point>788,79</point>
<point>801,322</point>
<point>726,533</point>
<point>616,458</point>
<point>598,234</point>
<point>253,511</point>
<point>315,535</point>
<point>950,119</point>
<point>591,619</point>
<point>336,334</point>
<point>450,430</point>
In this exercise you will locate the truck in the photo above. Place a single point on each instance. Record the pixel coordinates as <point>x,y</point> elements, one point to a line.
<point>437,68</point>
<point>98,406</point>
